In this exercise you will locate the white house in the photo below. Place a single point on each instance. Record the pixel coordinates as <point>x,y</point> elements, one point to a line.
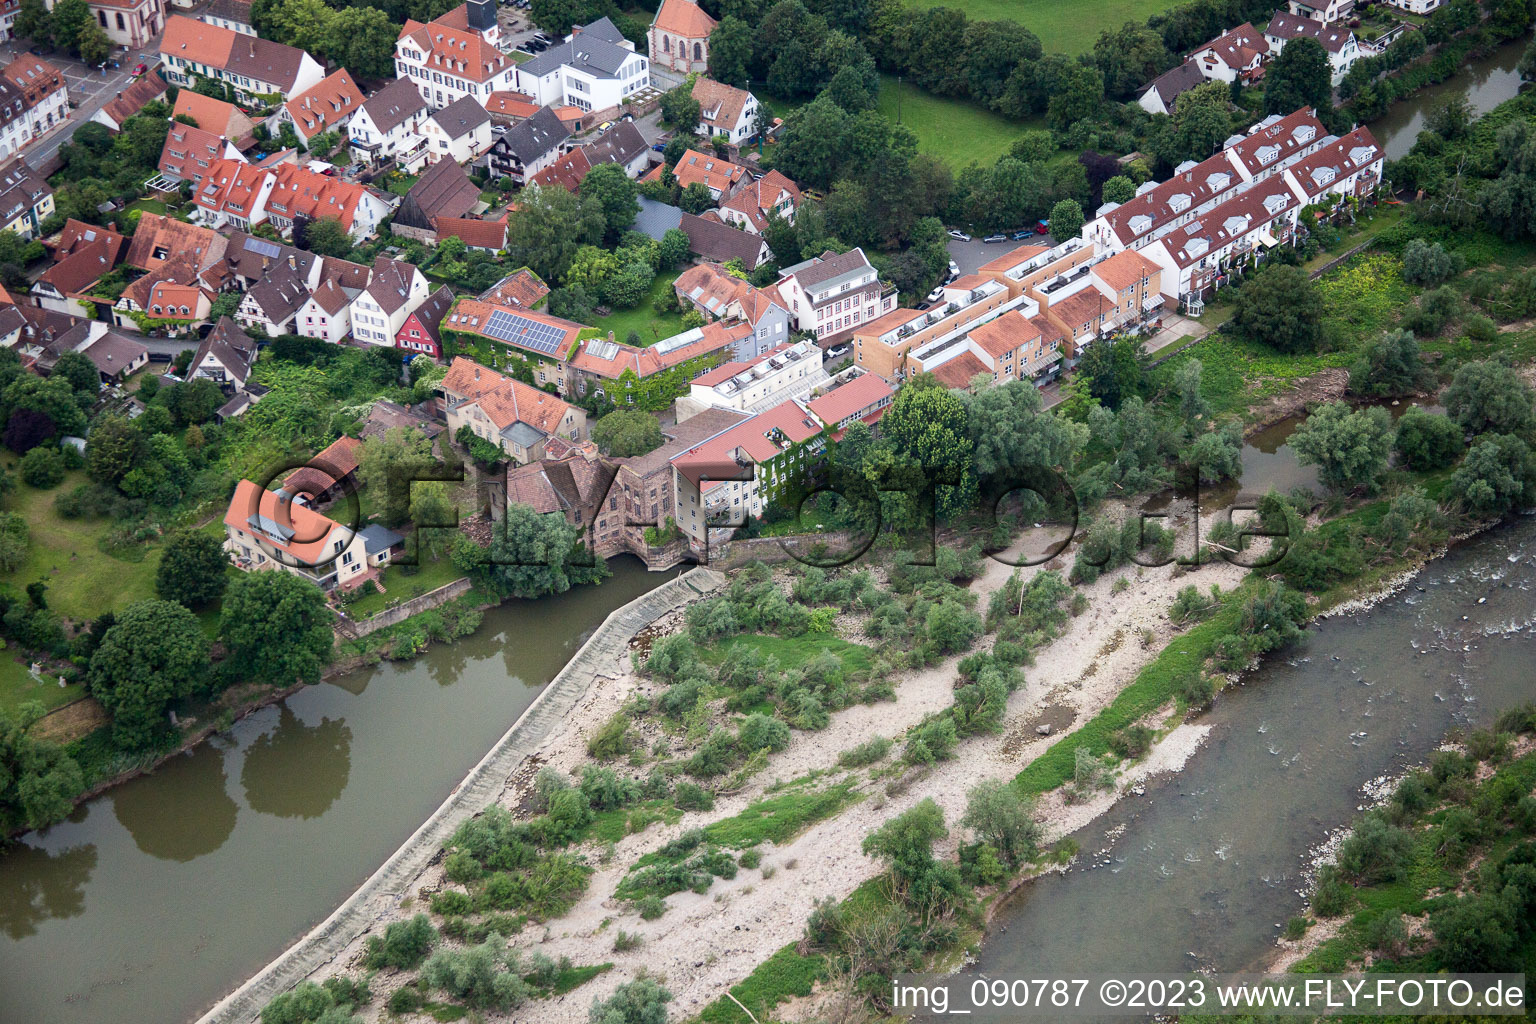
<point>1163,92</point>
<point>269,530</point>
<point>1325,11</point>
<point>44,94</point>
<point>750,207</point>
<point>387,126</point>
<point>594,69</point>
<point>833,293</point>
<point>234,15</point>
<point>1421,7</point>
<point>750,386</point>
<point>393,293</point>
<point>273,302</point>
<point>224,357</point>
<point>1337,40</point>
<point>327,313</point>
<point>455,56</point>
<point>725,110</point>
<point>1236,54</point>
<point>460,132</point>
<point>1200,254</point>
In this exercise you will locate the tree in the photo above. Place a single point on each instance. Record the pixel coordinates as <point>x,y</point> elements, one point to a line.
<point>362,40</point>
<point>53,398</point>
<point>679,109</point>
<point>1351,448</point>
<point>1066,219</point>
<point>672,249</point>
<point>730,52</point>
<point>385,465</point>
<point>1279,307</point>
<point>1487,397</point>
<point>154,655</point>
<point>1119,189</point>
<point>926,425</point>
<point>1217,453</point>
<point>14,538</point>
<point>1012,433</point>
<point>532,555</point>
<point>1498,476</point>
<point>1427,441</point>
<point>547,228</point>
<point>1113,369</point>
<point>696,198</point>
<point>305,24</point>
<point>43,467</point>
<point>627,432</point>
<point>905,844</point>
<point>1389,366</point>
<point>613,192</point>
<point>38,781</point>
<point>81,374</point>
<point>1527,65</point>
<point>193,569</point>
<point>325,237</point>
<point>1299,76</point>
<point>92,44</point>
<point>69,17</point>
<point>1427,265</point>
<point>1003,818</point>
<point>277,628</point>
<point>34,22</point>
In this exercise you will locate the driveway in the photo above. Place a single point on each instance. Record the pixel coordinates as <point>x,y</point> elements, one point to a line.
<point>90,89</point>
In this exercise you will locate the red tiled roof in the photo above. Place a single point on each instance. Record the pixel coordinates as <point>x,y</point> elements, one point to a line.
<point>713,337</point>
<point>471,315</point>
<point>719,175</point>
<point>331,101</point>
<point>310,528</point>
<point>511,104</point>
<point>759,439</point>
<point>956,373</point>
<point>456,51</point>
<point>684,18</point>
<point>1124,269</point>
<point>299,191</point>
<point>852,398</point>
<point>1006,333</point>
<point>479,234</point>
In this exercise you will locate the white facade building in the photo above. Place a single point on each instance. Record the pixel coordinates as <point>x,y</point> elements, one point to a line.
<point>594,69</point>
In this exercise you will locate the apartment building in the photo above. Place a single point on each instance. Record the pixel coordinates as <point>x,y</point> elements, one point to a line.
<point>388,126</point>
<point>750,386</point>
<point>834,294</point>
<point>881,345</point>
<point>455,56</point>
<point>255,68</point>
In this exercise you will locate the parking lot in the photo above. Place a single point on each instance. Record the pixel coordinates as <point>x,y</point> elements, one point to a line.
<point>970,255</point>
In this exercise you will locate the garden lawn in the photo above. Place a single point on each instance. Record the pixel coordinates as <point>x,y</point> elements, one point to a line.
<point>955,130</point>
<point>1063,26</point>
<point>17,687</point>
<point>1236,375</point>
<point>792,652</point>
<point>643,319</point>
<point>401,587</point>
<point>82,580</point>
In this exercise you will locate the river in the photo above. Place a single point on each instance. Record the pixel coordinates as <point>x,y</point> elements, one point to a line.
<point>1203,869</point>
<point>1485,83</point>
<point>156,899</point>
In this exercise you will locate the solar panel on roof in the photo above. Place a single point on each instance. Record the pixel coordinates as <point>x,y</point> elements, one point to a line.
<point>523,332</point>
<point>262,247</point>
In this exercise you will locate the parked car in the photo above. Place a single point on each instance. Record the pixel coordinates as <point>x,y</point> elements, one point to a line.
<point>954,270</point>
<point>1019,236</point>
<point>958,235</point>
<point>604,126</point>
<point>995,238</point>
<point>838,352</point>
<point>660,147</point>
<point>1043,227</point>
<point>141,69</point>
<point>935,295</point>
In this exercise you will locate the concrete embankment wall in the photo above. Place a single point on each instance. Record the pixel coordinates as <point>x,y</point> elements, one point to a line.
<point>602,655</point>
<point>400,612</point>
